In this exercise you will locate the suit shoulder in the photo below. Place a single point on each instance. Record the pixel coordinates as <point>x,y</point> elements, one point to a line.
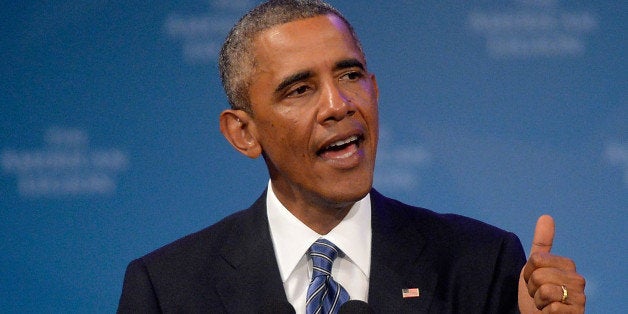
<point>445,226</point>
<point>203,244</point>
<point>184,274</point>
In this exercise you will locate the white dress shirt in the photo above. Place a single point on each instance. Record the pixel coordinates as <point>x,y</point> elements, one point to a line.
<point>292,238</point>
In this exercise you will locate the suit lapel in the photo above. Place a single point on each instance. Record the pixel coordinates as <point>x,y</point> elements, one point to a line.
<point>251,277</point>
<point>396,260</point>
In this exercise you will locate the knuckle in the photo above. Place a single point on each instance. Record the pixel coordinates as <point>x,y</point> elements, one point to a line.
<point>536,259</point>
<point>544,292</point>
<point>555,307</point>
<point>581,281</point>
<point>536,279</point>
<point>570,264</point>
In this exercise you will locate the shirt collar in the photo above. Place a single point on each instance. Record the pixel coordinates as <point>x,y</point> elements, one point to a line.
<point>292,238</point>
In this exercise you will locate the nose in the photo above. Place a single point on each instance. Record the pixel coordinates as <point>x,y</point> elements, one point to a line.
<point>335,105</point>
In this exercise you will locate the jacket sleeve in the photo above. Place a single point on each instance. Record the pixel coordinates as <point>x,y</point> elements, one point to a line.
<point>138,295</point>
<point>503,296</point>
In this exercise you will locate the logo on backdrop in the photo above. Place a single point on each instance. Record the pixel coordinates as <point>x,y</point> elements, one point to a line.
<point>533,28</point>
<point>64,166</point>
<point>617,154</point>
<point>398,166</point>
<point>201,35</point>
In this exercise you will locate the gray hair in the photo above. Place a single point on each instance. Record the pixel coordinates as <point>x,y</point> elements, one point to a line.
<point>236,59</point>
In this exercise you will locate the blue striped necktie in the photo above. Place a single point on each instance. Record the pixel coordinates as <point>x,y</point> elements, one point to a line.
<point>324,295</point>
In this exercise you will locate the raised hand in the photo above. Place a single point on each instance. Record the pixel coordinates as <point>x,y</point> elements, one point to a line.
<point>549,283</point>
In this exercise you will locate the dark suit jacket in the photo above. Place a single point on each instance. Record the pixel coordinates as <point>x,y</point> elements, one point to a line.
<point>460,265</point>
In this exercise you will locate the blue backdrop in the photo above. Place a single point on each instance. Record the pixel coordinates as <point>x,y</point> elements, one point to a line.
<point>110,148</point>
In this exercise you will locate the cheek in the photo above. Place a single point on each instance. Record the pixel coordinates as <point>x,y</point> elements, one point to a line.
<point>284,136</point>
<point>362,93</point>
<point>368,107</point>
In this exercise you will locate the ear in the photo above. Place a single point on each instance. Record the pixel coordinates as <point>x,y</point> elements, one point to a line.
<point>239,129</point>
<point>375,87</point>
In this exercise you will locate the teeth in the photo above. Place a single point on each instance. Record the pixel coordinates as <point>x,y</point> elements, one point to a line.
<point>343,142</point>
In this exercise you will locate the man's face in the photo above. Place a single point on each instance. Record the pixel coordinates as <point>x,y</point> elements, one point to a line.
<point>314,112</point>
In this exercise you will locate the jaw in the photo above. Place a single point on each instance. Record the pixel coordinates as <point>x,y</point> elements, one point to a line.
<point>336,183</point>
<point>335,173</point>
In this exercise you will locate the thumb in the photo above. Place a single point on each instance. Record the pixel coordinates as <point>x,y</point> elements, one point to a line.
<point>541,243</point>
<point>543,235</point>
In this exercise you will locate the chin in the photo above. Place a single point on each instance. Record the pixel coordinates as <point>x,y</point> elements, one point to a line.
<point>349,192</point>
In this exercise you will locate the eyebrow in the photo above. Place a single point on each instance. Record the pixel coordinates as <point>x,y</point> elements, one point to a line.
<point>349,63</point>
<point>293,79</point>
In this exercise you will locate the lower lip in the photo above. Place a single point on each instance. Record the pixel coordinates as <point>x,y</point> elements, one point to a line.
<point>346,158</point>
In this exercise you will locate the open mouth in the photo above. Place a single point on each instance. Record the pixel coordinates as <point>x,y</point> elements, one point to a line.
<point>341,148</point>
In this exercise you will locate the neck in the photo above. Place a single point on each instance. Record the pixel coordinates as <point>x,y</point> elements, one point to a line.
<point>318,214</point>
<point>322,222</point>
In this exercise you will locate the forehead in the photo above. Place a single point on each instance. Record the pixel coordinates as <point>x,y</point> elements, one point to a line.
<point>309,40</point>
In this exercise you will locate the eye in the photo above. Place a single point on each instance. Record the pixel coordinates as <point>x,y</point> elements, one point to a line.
<point>352,76</point>
<point>298,90</point>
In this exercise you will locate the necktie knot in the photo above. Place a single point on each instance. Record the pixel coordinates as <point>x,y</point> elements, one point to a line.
<point>323,254</point>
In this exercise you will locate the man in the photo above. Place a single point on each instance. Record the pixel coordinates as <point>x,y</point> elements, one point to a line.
<point>301,96</point>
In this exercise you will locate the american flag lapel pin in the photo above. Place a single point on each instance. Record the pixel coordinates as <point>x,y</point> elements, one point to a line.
<point>410,293</point>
